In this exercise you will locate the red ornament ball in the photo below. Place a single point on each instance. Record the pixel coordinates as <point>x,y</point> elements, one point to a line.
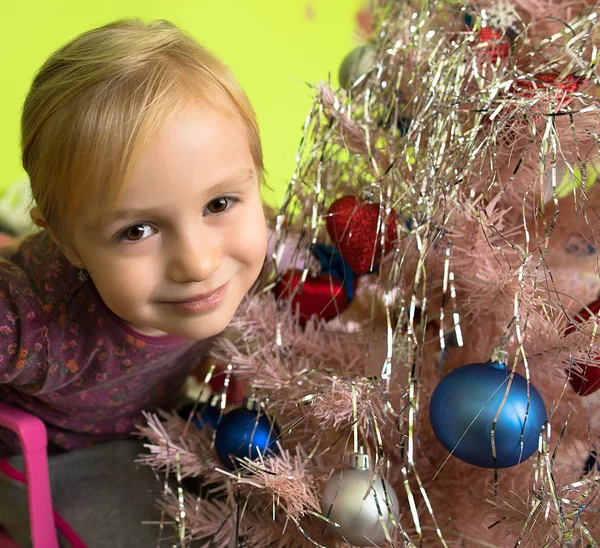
<point>588,381</point>
<point>353,228</point>
<point>570,83</point>
<point>547,80</point>
<point>324,296</point>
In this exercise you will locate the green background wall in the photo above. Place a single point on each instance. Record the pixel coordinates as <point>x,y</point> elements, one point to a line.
<point>273,46</point>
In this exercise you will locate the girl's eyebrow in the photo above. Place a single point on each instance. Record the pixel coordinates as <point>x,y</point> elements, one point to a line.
<point>241,179</point>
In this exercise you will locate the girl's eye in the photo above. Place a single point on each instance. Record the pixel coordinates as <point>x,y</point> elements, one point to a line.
<point>135,233</point>
<point>220,205</point>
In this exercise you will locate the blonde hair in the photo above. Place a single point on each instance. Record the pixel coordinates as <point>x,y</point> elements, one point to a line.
<point>98,99</point>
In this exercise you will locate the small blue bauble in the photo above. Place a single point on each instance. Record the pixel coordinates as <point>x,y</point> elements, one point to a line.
<point>458,400</point>
<point>242,433</point>
<point>205,414</point>
<point>592,464</point>
<point>403,125</point>
<point>333,263</point>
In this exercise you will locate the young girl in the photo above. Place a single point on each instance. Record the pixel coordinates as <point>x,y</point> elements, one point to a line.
<point>145,161</point>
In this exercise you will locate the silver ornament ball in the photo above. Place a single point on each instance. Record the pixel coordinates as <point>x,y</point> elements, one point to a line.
<point>356,501</point>
<point>356,63</point>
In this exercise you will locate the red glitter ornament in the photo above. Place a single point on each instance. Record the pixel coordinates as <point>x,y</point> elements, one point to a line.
<point>323,296</point>
<point>588,381</point>
<point>498,48</point>
<point>353,227</point>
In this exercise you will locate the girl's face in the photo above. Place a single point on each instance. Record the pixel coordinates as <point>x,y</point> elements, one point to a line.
<point>188,238</point>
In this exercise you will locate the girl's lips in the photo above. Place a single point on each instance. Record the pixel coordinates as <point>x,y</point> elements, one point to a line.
<point>203,302</point>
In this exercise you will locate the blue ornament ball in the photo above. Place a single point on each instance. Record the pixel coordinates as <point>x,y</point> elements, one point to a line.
<point>462,410</point>
<point>243,433</point>
<point>205,414</point>
<point>403,125</point>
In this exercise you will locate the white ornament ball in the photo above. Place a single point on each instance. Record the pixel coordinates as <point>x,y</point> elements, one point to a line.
<point>356,501</point>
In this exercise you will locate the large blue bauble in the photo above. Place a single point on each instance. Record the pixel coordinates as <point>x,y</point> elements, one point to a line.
<point>242,433</point>
<point>473,394</point>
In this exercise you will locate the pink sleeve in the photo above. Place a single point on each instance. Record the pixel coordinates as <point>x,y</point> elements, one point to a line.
<point>23,348</point>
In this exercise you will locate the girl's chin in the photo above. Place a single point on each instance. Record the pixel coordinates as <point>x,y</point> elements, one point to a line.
<point>199,327</point>
<point>148,331</point>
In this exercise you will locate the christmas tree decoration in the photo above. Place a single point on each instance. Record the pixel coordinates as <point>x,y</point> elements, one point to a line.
<point>569,83</point>
<point>332,263</point>
<point>403,125</point>
<point>584,375</point>
<point>485,416</point>
<point>203,405</point>
<point>592,465</point>
<point>204,413</point>
<point>245,432</point>
<point>468,19</point>
<point>361,505</point>
<point>355,64</point>
<point>224,383</point>
<point>494,43</point>
<point>355,228</point>
<point>555,90</point>
<point>324,296</point>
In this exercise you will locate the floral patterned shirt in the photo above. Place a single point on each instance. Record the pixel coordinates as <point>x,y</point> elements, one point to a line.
<point>65,357</point>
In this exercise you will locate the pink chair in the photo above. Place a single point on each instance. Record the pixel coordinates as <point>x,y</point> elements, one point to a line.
<point>44,520</point>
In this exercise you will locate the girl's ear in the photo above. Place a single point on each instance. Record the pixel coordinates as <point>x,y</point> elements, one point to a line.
<point>68,252</point>
<point>38,218</point>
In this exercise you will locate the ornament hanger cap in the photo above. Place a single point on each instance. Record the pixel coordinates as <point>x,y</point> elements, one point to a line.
<point>200,393</point>
<point>205,394</point>
<point>251,404</point>
<point>499,356</point>
<point>359,461</point>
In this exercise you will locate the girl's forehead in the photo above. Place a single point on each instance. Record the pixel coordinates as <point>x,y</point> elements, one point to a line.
<point>203,146</point>
<point>189,151</point>
<point>159,204</point>
<point>166,198</point>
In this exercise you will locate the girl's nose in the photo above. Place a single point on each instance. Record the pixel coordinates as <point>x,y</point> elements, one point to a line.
<point>194,259</point>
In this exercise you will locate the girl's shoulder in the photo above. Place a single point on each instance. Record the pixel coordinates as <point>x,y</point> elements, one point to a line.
<point>24,309</point>
<point>37,274</point>
<point>37,263</point>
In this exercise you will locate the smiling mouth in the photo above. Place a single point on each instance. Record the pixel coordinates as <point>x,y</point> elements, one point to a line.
<point>201,303</point>
<point>198,298</point>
